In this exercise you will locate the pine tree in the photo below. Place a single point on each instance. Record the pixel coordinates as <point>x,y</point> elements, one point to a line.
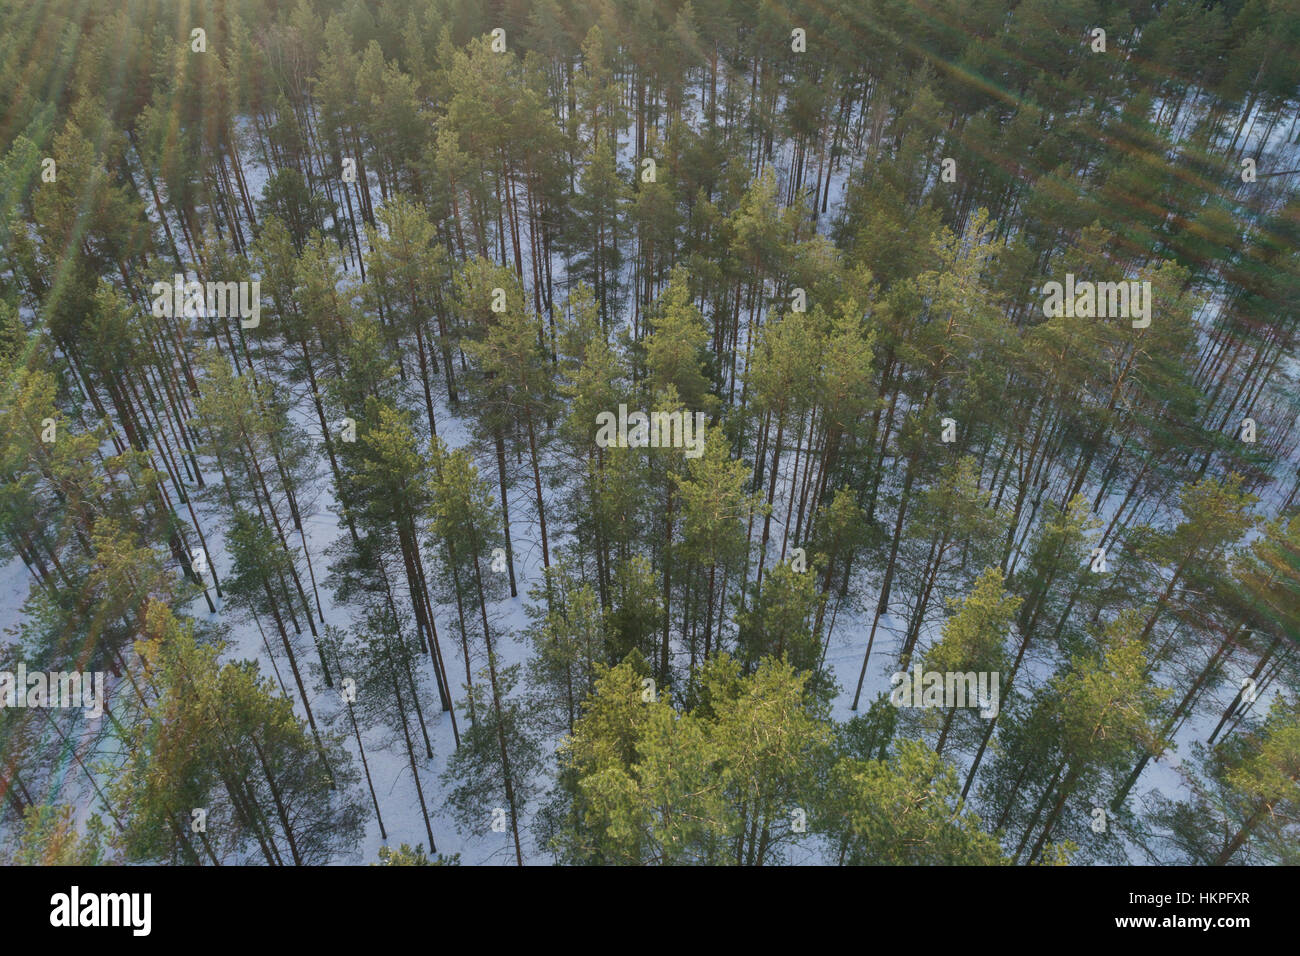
<point>462,522</point>
<point>1094,711</point>
<point>568,633</point>
<point>903,811</point>
<point>705,787</point>
<point>972,642</point>
<point>219,739</point>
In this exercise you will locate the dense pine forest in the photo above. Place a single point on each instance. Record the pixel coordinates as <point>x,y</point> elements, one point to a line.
<point>733,432</point>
